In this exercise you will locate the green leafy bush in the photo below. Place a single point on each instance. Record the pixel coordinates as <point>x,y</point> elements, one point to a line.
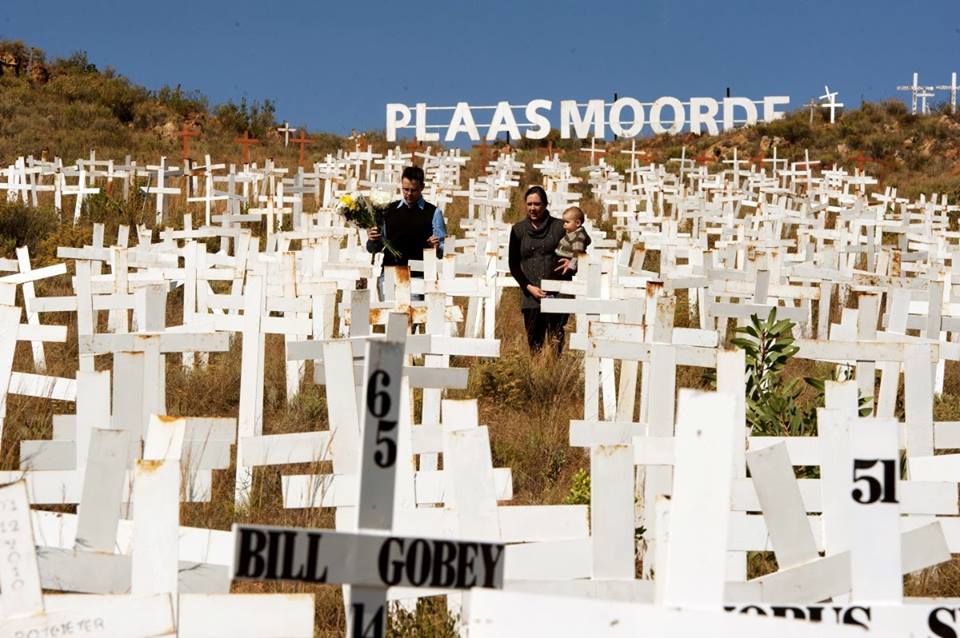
<point>579,488</point>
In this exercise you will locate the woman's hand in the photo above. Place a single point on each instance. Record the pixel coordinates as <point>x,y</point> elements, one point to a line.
<point>563,267</point>
<point>536,291</point>
<point>433,241</point>
<point>373,234</point>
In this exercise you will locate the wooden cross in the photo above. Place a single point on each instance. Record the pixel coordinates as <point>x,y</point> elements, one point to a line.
<point>757,160</point>
<point>704,158</point>
<point>245,142</point>
<point>953,88</point>
<point>860,160</point>
<point>484,154</point>
<point>286,130</point>
<point>413,146</point>
<point>185,134</point>
<point>303,140</point>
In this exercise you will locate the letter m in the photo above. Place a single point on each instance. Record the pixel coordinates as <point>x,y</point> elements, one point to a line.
<point>592,117</point>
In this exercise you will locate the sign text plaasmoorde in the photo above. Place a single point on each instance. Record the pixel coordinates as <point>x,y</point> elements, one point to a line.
<point>626,117</point>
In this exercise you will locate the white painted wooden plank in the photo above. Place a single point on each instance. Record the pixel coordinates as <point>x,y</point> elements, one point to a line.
<point>156,500</point>
<point>916,497</point>
<point>279,449</point>
<point>99,616</point>
<point>696,562</point>
<point>19,572</point>
<point>100,501</point>
<point>558,560</point>
<point>252,615</point>
<point>494,614</point>
<point>772,475</point>
<point>875,567</point>
<point>43,386</point>
<point>830,576</point>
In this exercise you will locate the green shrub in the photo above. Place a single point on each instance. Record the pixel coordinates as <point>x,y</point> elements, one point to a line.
<point>579,488</point>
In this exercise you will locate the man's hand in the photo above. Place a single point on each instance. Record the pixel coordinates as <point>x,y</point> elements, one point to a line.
<point>563,267</point>
<point>373,234</point>
<point>433,241</point>
<point>536,291</point>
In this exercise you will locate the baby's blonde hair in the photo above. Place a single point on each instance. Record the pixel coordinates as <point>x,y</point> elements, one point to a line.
<point>577,213</point>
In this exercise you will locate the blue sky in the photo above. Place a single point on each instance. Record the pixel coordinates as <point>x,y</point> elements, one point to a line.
<point>333,66</point>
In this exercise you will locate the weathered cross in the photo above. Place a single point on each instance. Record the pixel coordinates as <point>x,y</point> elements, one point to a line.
<point>185,134</point>
<point>303,140</point>
<point>245,142</point>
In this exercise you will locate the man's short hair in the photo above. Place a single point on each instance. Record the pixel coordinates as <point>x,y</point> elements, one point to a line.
<point>576,212</point>
<point>414,174</point>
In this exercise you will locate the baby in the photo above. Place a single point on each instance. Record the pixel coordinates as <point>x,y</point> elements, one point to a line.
<point>574,243</point>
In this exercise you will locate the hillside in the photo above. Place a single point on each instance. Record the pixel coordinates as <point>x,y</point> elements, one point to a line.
<point>66,107</point>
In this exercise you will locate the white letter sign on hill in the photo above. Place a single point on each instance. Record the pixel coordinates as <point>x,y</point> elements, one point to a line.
<point>584,119</point>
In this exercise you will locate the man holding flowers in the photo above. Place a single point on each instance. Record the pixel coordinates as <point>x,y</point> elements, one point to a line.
<point>409,225</point>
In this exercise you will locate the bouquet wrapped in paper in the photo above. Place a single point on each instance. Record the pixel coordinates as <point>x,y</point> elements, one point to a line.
<point>366,212</point>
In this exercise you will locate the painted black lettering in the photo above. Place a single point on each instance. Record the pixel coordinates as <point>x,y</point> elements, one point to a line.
<point>373,629</point>
<point>851,613</point>
<point>815,613</point>
<point>418,562</point>
<point>759,611</point>
<point>789,612</point>
<point>289,553</point>
<point>251,562</point>
<point>273,554</point>
<point>466,575</point>
<point>313,559</point>
<point>490,555</point>
<point>444,573</point>
<point>391,571</point>
<point>938,624</point>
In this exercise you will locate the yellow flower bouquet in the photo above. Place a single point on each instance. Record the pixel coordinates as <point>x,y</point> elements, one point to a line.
<point>363,212</point>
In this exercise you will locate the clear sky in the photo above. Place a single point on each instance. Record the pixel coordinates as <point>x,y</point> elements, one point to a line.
<point>334,65</point>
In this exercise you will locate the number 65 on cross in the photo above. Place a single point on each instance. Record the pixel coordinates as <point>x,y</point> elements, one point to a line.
<point>381,413</point>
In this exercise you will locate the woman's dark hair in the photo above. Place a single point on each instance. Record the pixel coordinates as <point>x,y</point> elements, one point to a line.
<point>538,190</point>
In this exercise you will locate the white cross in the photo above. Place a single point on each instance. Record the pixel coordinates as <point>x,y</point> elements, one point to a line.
<point>593,149</point>
<point>915,90</point>
<point>831,102</point>
<point>160,190</point>
<point>923,95</point>
<point>952,87</point>
<point>286,130</point>
<point>813,104</point>
<point>684,162</point>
